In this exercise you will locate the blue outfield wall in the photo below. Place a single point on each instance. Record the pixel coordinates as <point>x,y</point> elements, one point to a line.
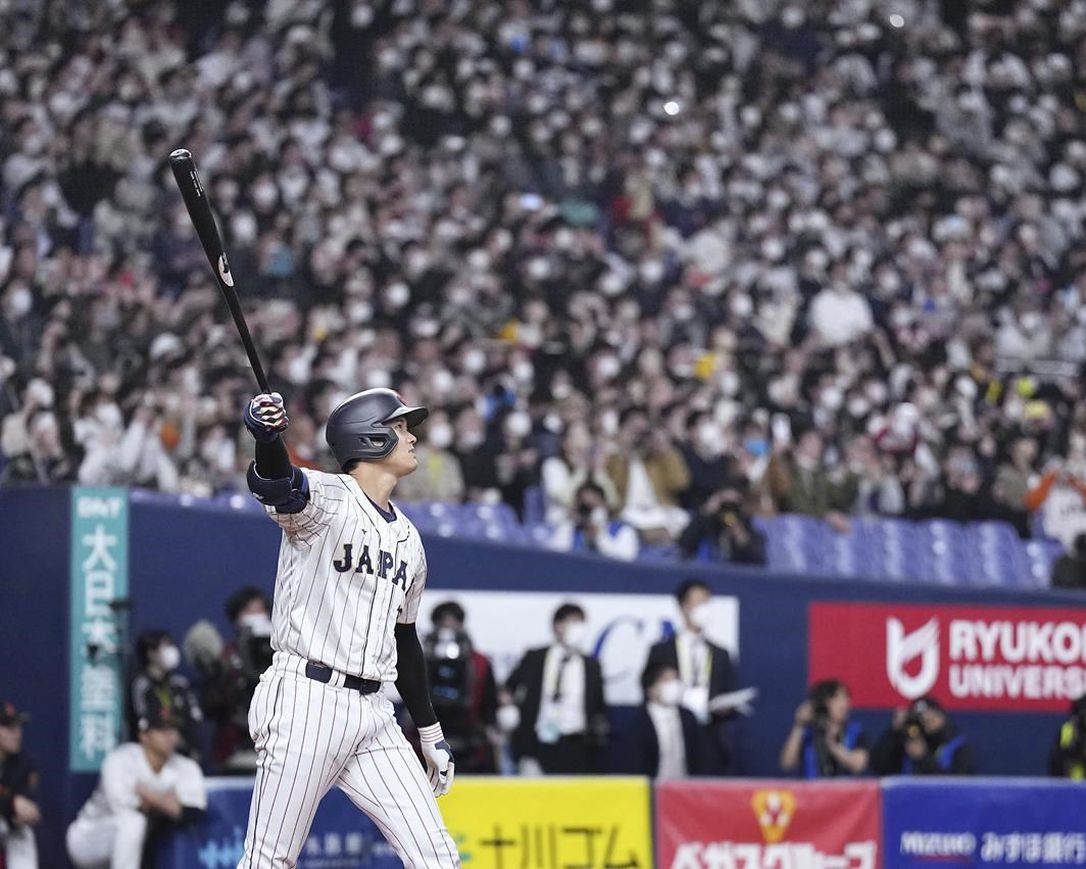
<point>184,561</point>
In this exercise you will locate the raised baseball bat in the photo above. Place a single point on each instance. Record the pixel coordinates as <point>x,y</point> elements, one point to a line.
<point>196,201</point>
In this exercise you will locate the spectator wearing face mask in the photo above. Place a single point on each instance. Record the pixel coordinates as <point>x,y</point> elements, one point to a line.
<point>800,482</point>
<point>593,528</point>
<point>1013,480</point>
<point>46,459</point>
<point>663,739</point>
<point>840,315</point>
<point>438,476</point>
<point>518,464</point>
<point>649,474</point>
<point>157,683</point>
<point>965,492</point>
<point>578,461</point>
<point>561,725</point>
<point>705,669</point>
<point>476,456</point>
<point>704,452</point>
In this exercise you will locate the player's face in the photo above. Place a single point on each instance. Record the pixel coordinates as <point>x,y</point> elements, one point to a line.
<point>161,740</point>
<point>401,461</point>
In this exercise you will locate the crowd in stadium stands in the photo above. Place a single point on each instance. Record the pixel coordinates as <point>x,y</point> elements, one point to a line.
<point>673,264</point>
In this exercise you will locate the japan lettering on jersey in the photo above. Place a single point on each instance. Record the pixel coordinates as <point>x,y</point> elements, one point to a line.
<point>347,574</point>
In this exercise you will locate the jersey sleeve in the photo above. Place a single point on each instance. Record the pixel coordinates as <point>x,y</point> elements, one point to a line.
<point>410,611</point>
<point>191,790</point>
<point>324,498</point>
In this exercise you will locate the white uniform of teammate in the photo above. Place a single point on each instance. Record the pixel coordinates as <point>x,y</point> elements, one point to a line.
<point>110,829</point>
<point>348,573</point>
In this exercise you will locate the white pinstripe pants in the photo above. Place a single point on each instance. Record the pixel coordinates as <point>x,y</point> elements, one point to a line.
<point>310,736</point>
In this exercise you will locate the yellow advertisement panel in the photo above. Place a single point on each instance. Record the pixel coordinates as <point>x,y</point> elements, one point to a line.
<point>557,822</point>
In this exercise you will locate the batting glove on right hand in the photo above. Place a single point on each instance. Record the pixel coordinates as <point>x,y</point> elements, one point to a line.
<point>439,759</point>
<point>265,417</point>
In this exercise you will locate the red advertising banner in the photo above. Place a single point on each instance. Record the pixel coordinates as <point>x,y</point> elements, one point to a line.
<point>1025,659</point>
<point>750,825</point>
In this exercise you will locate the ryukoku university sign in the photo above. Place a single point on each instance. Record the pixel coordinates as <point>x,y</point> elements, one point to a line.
<point>1002,658</point>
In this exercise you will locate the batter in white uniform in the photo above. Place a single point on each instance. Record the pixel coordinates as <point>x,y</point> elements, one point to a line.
<point>351,573</point>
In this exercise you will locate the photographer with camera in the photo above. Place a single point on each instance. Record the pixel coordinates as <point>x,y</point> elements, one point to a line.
<point>922,740</point>
<point>823,742</point>
<point>592,527</point>
<point>1068,757</point>
<point>231,672</point>
<point>463,689</point>
<point>722,531</point>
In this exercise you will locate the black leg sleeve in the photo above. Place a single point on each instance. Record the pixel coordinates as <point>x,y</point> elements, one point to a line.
<point>411,679</point>
<point>273,460</point>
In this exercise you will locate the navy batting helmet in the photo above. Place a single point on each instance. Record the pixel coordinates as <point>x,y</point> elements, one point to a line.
<point>358,429</point>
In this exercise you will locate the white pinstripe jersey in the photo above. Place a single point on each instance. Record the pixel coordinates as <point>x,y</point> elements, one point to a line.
<point>346,576</point>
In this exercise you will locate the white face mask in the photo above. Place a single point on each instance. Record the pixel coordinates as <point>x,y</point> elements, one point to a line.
<point>710,439</point>
<point>671,693</point>
<point>169,658</point>
<point>258,624</point>
<point>21,301</point>
<point>518,424</point>
<point>474,361</point>
<point>440,436</point>
<point>523,372</point>
<point>575,635</point>
<point>700,616</point>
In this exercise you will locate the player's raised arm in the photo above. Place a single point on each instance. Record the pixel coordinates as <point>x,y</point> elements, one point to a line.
<point>277,484</point>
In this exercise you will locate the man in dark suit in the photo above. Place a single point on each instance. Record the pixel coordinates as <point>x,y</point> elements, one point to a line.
<point>706,671</point>
<point>558,690</point>
<point>663,739</point>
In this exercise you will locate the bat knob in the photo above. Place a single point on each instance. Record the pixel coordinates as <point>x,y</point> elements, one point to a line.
<point>181,154</point>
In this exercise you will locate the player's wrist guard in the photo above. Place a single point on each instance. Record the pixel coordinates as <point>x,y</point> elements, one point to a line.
<point>286,495</point>
<point>431,734</point>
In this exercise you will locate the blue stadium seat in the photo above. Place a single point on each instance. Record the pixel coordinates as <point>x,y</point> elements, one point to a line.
<point>878,548</point>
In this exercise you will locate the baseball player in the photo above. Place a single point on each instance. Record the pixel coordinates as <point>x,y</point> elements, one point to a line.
<point>351,573</point>
<point>143,785</point>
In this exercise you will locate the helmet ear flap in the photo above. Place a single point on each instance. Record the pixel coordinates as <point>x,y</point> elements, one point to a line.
<point>380,445</point>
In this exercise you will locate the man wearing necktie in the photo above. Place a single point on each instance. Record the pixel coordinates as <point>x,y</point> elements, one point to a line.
<point>558,691</point>
<point>705,669</point>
